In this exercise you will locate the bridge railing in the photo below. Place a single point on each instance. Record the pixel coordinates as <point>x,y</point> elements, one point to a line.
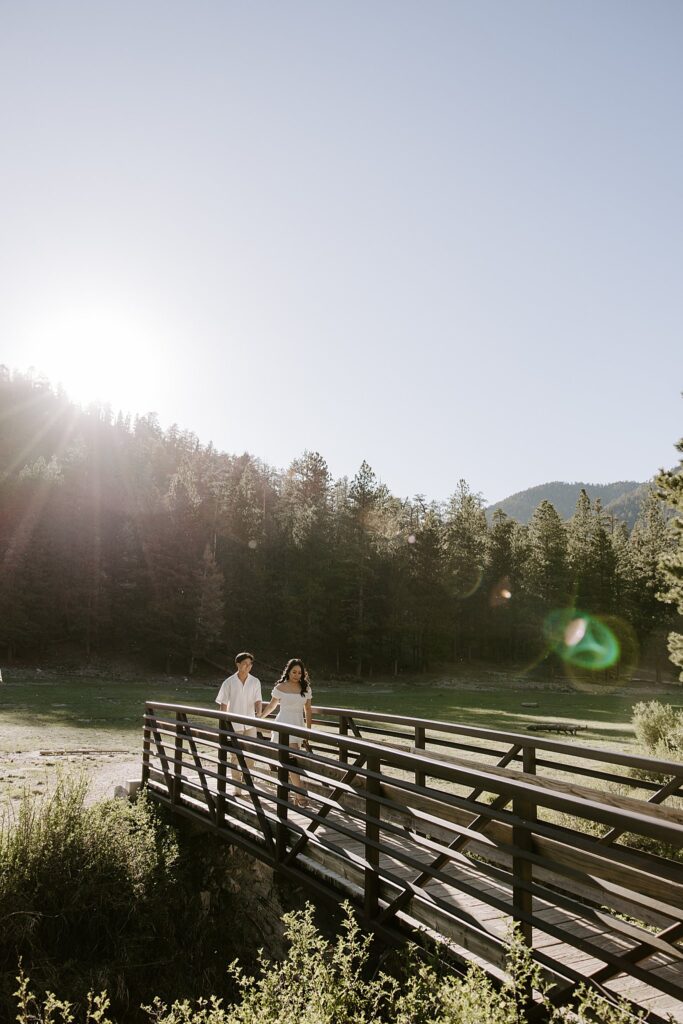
<point>450,842</point>
<point>658,780</point>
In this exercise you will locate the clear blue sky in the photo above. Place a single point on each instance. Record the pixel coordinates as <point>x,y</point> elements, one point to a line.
<point>445,237</point>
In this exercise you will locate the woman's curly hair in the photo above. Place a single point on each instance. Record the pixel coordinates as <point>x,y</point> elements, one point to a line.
<point>305,681</point>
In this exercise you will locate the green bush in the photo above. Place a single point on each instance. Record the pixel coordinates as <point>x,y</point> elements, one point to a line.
<point>319,982</point>
<point>659,728</point>
<point>85,891</point>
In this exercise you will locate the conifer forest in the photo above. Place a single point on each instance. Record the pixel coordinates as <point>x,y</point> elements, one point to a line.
<point>122,540</point>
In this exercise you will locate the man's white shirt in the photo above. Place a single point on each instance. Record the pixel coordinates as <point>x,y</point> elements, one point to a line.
<point>241,698</point>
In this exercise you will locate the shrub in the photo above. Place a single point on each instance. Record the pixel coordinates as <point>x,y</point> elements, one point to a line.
<point>659,727</point>
<point>330,983</point>
<point>84,890</point>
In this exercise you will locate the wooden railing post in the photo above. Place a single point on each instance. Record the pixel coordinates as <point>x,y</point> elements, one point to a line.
<point>343,731</point>
<point>372,828</point>
<point>146,744</point>
<point>419,745</point>
<point>221,771</point>
<point>282,797</point>
<point>522,838</point>
<point>177,759</point>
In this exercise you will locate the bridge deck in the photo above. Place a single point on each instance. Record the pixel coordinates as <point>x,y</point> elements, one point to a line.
<point>451,858</point>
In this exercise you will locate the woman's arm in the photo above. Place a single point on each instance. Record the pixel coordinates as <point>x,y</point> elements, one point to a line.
<point>308,712</point>
<point>269,707</point>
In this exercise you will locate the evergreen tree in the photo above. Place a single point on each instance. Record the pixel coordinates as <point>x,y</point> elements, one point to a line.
<point>625,592</point>
<point>465,542</point>
<point>670,486</point>
<point>362,520</point>
<point>209,610</point>
<point>545,572</point>
<point>579,547</point>
<point>590,556</point>
<point>424,613</point>
<point>307,569</point>
<point>649,544</point>
<point>604,562</point>
<point>503,585</point>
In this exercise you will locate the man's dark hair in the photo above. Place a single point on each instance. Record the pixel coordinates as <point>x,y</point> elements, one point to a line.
<point>242,656</point>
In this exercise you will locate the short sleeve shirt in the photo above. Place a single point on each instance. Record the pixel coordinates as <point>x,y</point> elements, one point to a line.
<point>241,698</point>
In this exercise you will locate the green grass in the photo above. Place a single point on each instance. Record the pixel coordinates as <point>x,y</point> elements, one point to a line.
<point>54,713</point>
<point>607,715</point>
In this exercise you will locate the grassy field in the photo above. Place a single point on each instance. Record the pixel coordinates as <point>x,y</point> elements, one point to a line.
<point>48,722</point>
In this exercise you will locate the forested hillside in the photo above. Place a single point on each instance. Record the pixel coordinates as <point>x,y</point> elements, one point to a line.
<point>623,498</point>
<point>120,539</point>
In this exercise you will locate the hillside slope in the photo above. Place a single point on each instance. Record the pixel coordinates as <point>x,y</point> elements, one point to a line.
<point>622,498</point>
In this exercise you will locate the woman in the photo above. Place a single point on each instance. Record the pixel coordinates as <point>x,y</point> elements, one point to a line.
<point>293,693</point>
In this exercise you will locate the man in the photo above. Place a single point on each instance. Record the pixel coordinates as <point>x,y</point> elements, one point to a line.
<point>241,694</point>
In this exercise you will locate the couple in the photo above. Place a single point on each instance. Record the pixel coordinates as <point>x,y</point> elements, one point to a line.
<point>241,694</point>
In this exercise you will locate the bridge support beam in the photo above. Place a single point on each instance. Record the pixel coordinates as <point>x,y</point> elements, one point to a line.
<point>522,871</point>
<point>372,811</point>
<point>282,798</point>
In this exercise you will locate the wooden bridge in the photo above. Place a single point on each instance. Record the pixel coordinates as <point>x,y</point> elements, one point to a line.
<point>455,830</point>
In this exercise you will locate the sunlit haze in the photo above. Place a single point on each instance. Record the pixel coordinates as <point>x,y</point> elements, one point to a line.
<point>445,238</point>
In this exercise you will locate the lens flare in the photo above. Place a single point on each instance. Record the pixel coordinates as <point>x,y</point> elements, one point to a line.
<point>467,582</point>
<point>412,538</point>
<point>253,544</point>
<point>500,593</point>
<point>585,641</point>
<point>575,632</point>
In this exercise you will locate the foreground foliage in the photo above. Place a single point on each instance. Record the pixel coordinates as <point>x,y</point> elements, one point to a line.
<point>330,983</point>
<point>86,892</point>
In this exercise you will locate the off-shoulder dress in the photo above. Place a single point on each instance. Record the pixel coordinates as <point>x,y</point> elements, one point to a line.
<point>291,710</point>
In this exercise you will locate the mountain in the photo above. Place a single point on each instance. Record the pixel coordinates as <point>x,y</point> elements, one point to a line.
<point>622,499</point>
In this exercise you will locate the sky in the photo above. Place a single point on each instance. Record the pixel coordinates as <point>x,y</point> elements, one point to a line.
<point>443,237</point>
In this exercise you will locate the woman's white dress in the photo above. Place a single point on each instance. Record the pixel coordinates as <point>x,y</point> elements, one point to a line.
<point>291,711</point>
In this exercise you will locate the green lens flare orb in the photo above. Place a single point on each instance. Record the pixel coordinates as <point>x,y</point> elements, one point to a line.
<point>582,640</point>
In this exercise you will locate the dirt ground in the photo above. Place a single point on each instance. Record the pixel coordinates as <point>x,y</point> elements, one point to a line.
<point>36,771</point>
<point>35,766</point>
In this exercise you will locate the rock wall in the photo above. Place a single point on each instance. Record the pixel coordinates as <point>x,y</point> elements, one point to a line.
<point>241,900</point>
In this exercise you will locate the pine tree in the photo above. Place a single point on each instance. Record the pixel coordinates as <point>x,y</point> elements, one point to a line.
<point>670,486</point>
<point>590,556</point>
<point>625,592</point>
<point>648,545</point>
<point>209,610</point>
<point>421,554</point>
<point>364,500</point>
<point>503,584</point>
<point>465,550</point>
<point>579,546</point>
<point>545,572</point>
<point>307,566</point>
<point>603,561</point>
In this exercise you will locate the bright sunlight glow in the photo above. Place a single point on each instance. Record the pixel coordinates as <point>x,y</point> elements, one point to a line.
<point>99,355</point>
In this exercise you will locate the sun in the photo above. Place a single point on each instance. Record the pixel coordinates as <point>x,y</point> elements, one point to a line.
<point>101,355</point>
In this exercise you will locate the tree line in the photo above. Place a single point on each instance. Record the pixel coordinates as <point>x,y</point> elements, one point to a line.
<point>118,538</point>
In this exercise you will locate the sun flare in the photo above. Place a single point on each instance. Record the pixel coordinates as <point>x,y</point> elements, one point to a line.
<point>101,356</point>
